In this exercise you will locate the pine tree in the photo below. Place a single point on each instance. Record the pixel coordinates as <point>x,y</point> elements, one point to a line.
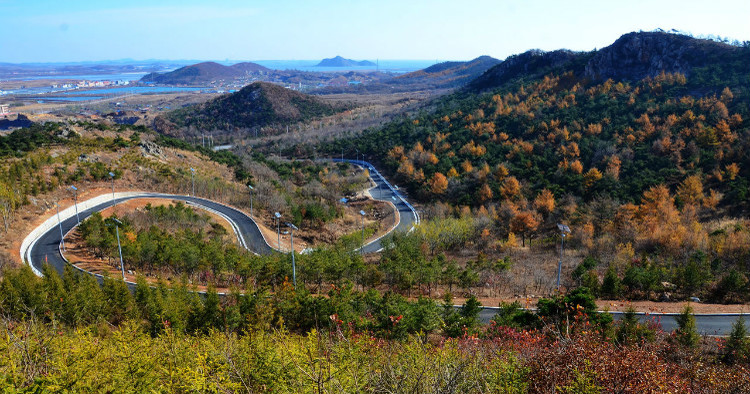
<point>738,345</point>
<point>686,333</point>
<point>610,285</point>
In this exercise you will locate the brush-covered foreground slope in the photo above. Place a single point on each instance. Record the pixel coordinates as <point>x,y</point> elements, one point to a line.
<point>255,105</point>
<point>651,109</point>
<point>203,73</point>
<point>446,74</point>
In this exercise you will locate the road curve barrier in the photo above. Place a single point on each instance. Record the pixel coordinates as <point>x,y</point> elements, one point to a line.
<point>372,169</point>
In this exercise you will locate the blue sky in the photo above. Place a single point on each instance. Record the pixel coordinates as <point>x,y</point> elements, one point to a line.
<point>84,30</point>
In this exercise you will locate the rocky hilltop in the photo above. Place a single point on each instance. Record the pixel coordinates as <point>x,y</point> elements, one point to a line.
<point>632,57</point>
<point>635,56</point>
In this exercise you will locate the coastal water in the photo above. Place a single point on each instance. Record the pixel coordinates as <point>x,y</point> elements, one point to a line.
<point>133,90</point>
<point>89,77</point>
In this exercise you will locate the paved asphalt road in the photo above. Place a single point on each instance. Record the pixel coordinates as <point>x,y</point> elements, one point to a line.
<point>713,324</point>
<point>384,191</point>
<point>46,247</point>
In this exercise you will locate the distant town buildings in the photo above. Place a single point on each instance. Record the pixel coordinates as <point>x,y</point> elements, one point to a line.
<point>4,110</point>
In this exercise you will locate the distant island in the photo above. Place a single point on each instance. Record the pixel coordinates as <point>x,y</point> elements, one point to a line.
<point>339,61</point>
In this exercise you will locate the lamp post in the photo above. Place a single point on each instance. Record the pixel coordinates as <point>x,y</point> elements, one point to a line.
<point>292,227</point>
<point>564,230</point>
<point>192,178</point>
<point>59,224</point>
<point>278,234</point>
<point>112,176</point>
<point>75,201</point>
<point>362,224</point>
<point>251,199</point>
<point>119,248</point>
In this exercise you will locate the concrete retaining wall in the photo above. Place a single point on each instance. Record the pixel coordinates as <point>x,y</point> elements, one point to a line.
<point>66,213</point>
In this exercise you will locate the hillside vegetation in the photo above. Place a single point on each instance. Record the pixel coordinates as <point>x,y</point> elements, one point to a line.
<point>204,73</point>
<point>254,106</point>
<point>70,332</point>
<point>641,169</point>
<point>446,74</point>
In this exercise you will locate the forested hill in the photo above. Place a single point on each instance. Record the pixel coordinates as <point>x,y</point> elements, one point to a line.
<point>632,57</point>
<point>255,105</point>
<point>446,74</point>
<point>202,73</point>
<point>651,109</point>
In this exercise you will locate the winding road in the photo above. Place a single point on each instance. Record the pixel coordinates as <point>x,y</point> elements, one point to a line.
<point>384,191</point>
<point>43,246</point>
<point>44,243</point>
<point>46,248</point>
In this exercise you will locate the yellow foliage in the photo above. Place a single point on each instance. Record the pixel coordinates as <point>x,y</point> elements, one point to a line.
<point>510,188</point>
<point>591,177</point>
<point>576,167</point>
<point>545,202</point>
<point>439,183</point>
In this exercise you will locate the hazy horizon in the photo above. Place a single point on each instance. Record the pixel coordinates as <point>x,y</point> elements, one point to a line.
<point>47,31</point>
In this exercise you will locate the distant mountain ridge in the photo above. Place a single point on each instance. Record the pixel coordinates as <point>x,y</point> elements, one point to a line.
<point>339,61</point>
<point>203,73</point>
<point>447,74</point>
<point>631,57</point>
<point>256,105</point>
<point>635,56</point>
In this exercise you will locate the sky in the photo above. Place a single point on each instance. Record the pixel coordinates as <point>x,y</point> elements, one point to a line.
<point>94,30</point>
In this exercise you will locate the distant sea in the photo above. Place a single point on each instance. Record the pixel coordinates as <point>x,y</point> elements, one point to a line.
<point>89,77</point>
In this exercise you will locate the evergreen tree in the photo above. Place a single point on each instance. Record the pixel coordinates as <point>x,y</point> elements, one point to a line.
<point>686,333</point>
<point>738,345</point>
<point>611,287</point>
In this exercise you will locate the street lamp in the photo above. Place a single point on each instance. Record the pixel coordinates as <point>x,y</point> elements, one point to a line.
<point>192,178</point>
<point>362,224</point>
<point>75,200</point>
<point>294,267</point>
<point>564,230</point>
<point>62,237</point>
<point>112,175</point>
<point>251,199</point>
<point>119,248</point>
<point>278,234</point>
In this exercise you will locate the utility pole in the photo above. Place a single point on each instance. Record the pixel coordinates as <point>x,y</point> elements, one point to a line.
<point>192,178</point>
<point>278,233</point>
<point>62,237</point>
<point>362,224</point>
<point>564,230</point>
<point>75,199</point>
<point>119,248</point>
<point>251,199</point>
<point>294,267</point>
<point>112,175</point>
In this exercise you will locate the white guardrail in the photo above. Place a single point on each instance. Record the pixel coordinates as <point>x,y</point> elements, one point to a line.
<point>372,169</point>
<point>65,214</point>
